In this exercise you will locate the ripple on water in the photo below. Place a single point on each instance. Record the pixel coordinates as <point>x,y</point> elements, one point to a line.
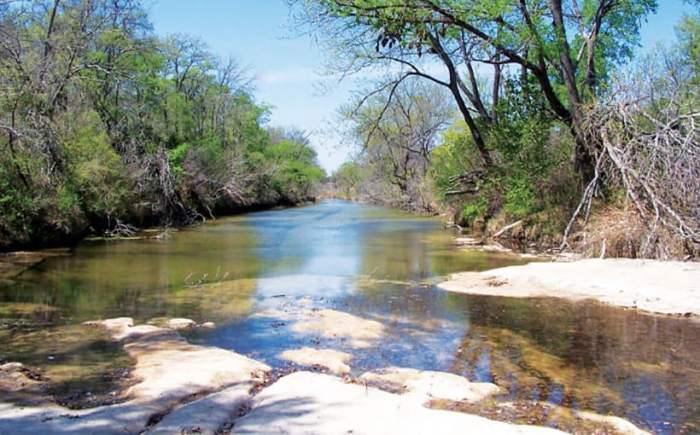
<point>254,274</point>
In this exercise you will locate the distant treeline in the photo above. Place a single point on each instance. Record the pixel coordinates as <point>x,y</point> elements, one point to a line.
<point>105,126</point>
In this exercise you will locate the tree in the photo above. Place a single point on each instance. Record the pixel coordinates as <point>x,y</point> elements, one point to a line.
<point>565,48</point>
<point>103,125</point>
<point>397,132</point>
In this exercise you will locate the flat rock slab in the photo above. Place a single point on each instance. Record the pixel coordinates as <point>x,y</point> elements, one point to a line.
<point>170,372</point>
<point>178,324</point>
<point>650,285</point>
<point>311,403</point>
<point>618,424</point>
<point>352,330</point>
<point>20,384</point>
<point>333,360</point>
<point>428,385</point>
<point>622,426</point>
<point>168,366</point>
<point>207,415</point>
<point>14,263</point>
<point>358,332</point>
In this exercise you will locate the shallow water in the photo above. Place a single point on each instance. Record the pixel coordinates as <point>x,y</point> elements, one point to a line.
<point>375,263</point>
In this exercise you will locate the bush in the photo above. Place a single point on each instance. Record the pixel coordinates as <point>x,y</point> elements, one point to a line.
<point>17,207</point>
<point>473,210</point>
<point>97,181</point>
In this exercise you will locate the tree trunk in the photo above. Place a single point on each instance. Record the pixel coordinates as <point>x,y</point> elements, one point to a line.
<point>461,104</point>
<point>473,128</point>
<point>583,158</point>
<point>584,162</point>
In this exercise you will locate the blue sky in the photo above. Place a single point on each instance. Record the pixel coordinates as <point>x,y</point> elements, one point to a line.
<point>287,69</point>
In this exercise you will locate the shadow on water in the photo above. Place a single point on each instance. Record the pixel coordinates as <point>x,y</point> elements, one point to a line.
<point>253,274</point>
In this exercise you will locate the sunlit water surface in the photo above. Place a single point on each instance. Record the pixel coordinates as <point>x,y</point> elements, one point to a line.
<point>369,261</point>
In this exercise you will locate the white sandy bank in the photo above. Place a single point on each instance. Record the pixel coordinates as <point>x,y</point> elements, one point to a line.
<point>654,286</point>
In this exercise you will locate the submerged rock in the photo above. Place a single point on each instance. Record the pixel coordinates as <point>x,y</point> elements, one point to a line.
<point>358,332</point>
<point>18,383</point>
<point>353,330</point>
<point>622,426</point>
<point>601,422</point>
<point>333,360</point>
<point>13,264</point>
<point>429,385</point>
<point>312,403</point>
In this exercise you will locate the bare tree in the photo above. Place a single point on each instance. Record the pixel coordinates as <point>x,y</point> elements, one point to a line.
<point>650,150</point>
<point>397,131</point>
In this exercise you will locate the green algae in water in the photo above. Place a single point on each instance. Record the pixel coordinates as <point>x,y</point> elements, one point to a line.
<point>77,366</point>
<point>369,261</point>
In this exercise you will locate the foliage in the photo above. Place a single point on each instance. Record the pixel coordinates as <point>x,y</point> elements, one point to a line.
<point>551,114</point>
<point>395,134</point>
<point>102,123</point>
<point>565,50</point>
<point>473,210</point>
<point>294,171</point>
<point>348,180</point>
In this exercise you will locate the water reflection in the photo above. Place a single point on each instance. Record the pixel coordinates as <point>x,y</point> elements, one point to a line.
<point>587,356</point>
<point>253,274</point>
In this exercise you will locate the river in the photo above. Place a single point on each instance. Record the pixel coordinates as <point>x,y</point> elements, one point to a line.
<point>370,261</point>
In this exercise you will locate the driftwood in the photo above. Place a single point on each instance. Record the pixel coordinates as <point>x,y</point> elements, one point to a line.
<point>503,230</point>
<point>467,183</point>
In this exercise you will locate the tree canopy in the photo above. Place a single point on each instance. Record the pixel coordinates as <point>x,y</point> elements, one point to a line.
<point>565,49</point>
<point>104,125</point>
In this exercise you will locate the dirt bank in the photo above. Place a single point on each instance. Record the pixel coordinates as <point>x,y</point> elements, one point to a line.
<point>649,285</point>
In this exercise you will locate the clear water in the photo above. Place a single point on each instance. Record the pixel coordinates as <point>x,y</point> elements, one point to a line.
<point>375,263</point>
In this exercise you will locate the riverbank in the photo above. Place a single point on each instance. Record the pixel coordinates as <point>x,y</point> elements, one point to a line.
<point>335,289</point>
<point>225,392</point>
<point>153,228</point>
<point>671,288</point>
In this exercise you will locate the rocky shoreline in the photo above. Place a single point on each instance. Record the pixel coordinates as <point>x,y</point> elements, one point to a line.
<point>184,388</point>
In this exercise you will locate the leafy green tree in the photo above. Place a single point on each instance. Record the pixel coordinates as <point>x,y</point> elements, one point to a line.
<point>348,180</point>
<point>103,125</point>
<point>565,48</point>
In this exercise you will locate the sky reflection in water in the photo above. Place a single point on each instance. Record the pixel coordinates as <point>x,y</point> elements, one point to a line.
<point>377,264</point>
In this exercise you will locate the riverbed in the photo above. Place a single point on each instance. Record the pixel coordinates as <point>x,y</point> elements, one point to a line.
<point>253,275</point>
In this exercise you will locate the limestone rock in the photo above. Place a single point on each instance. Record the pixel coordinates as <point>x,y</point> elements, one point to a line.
<point>428,385</point>
<point>170,371</point>
<point>311,403</point>
<point>179,323</point>
<point>206,415</point>
<point>358,332</point>
<point>666,287</point>
<point>335,361</point>
<point>622,426</point>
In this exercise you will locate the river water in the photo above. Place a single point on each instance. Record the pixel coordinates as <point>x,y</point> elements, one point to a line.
<point>372,262</point>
